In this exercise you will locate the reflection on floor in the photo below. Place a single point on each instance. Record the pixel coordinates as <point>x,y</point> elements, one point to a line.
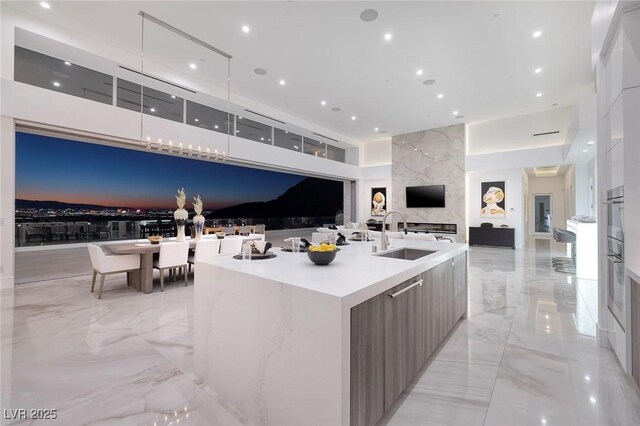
<point>526,355</point>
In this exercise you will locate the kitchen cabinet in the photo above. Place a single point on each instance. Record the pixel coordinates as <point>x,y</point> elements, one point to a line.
<point>367,361</point>
<point>403,337</point>
<point>459,286</point>
<point>392,338</point>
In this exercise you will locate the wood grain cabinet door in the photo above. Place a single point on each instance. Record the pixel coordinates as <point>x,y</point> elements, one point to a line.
<point>460,286</point>
<point>437,305</point>
<point>404,347</point>
<point>367,361</point>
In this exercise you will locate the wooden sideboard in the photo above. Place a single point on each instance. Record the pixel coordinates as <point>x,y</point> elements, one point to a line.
<point>496,237</point>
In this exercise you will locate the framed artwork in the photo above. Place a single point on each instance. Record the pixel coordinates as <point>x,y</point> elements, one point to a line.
<point>378,201</point>
<point>493,204</point>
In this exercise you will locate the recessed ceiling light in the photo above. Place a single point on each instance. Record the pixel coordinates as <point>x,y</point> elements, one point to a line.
<point>585,150</point>
<point>387,36</point>
<point>592,399</point>
<point>440,96</point>
<point>538,70</point>
<point>45,5</point>
<point>419,72</point>
<point>537,34</point>
<point>67,63</point>
<point>261,139</point>
<point>282,82</point>
<point>173,96</point>
<point>455,112</point>
<point>369,15</point>
<point>353,117</point>
<point>215,126</point>
<point>192,66</point>
<point>415,149</point>
<point>56,83</point>
<point>245,29</point>
<point>196,120</point>
<point>152,109</point>
<point>375,129</point>
<point>539,94</point>
<point>428,82</point>
<point>590,143</point>
<point>323,103</point>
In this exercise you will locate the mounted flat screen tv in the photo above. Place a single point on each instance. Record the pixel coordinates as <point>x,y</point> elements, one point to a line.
<point>425,196</point>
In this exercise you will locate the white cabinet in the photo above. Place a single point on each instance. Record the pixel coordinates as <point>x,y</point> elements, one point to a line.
<point>615,166</point>
<point>631,49</point>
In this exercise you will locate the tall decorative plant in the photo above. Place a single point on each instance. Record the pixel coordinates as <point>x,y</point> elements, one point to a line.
<point>181,215</point>
<point>198,219</point>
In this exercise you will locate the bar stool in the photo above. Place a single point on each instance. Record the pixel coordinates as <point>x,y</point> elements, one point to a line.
<point>566,265</point>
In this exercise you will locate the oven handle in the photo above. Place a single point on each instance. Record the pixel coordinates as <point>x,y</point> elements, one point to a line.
<point>614,259</point>
<point>613,202</point>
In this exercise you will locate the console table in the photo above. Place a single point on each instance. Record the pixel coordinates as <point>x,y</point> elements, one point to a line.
<point>497,237</point>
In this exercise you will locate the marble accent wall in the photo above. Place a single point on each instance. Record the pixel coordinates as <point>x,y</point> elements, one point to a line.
<point>431,157</point>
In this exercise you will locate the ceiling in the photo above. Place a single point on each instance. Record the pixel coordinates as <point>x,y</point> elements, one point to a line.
<point>482,55</point>
<point>548,171</point>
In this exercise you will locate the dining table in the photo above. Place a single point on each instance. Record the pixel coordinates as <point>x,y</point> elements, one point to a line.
<point>146,250</point>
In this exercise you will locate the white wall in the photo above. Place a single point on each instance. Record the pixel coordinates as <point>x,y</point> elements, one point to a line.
<point>571,193</point>
<point>376,153</point>
<point>555,187</point>
<point>513,197</point>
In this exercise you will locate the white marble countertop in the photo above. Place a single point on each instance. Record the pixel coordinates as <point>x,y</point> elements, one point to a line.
<point>354,276</point>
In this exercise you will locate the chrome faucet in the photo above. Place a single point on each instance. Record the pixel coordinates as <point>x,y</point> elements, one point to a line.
<point>384,242</point>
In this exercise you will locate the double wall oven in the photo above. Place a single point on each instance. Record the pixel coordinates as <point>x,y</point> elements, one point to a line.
<point>615,253</point>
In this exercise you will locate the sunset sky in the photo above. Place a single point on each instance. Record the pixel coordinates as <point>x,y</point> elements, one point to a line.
<point>52,169</point>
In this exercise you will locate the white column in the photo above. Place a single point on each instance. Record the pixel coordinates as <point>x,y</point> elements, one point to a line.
<point>7,201</point>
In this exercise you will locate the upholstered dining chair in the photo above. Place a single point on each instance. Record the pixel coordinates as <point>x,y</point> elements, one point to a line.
<point>231,245</point>
<point>172,255</point>
<point>107,265</point>
<point>229,230</point>
<point>205,249</point>
<point>259,229</point>
<point>244,230</point>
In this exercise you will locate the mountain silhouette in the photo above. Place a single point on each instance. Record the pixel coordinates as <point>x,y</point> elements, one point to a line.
<point>311,197</point>
<point>58,205</point>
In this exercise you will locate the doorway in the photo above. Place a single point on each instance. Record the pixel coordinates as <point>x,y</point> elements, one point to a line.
<point>542,214</point>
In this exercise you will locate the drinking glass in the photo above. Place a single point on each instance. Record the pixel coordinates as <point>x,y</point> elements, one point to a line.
<point>295,245</point>
<point>246,251</point>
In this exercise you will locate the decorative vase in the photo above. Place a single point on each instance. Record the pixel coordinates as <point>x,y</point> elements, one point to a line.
<point>198,224</point>
<point>198,219</point>
<point>181,216</point>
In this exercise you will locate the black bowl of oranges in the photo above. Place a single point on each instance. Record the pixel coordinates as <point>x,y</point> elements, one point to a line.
<point>322,254</point>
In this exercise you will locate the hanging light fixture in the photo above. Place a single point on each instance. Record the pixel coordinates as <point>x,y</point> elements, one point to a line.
<point>180,148</point>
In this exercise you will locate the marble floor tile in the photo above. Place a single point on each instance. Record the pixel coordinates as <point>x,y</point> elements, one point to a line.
<point>447,393</point>
<point>538,388</point>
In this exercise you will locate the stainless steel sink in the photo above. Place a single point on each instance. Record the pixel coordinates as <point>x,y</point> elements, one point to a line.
<point>406,253</point>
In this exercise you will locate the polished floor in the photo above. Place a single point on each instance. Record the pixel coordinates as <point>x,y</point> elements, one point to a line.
<point>526,355</point>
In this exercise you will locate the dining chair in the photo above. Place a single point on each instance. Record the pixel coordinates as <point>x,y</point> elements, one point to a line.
<point>259,229</point>
<point>231,245</point>
<point>172,255</point>
<point>229,230</point>
<point>205,249</point>
<point>107,265</point>
<point>244,230</point>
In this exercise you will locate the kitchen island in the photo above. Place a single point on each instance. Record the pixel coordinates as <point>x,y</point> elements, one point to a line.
<point>287,342</point>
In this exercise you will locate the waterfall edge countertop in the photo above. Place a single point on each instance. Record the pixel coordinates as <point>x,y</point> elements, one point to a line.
<point>272,337</point>
<point>355,275</point>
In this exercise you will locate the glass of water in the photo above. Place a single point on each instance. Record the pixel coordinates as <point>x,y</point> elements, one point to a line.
<point>246,251</point>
